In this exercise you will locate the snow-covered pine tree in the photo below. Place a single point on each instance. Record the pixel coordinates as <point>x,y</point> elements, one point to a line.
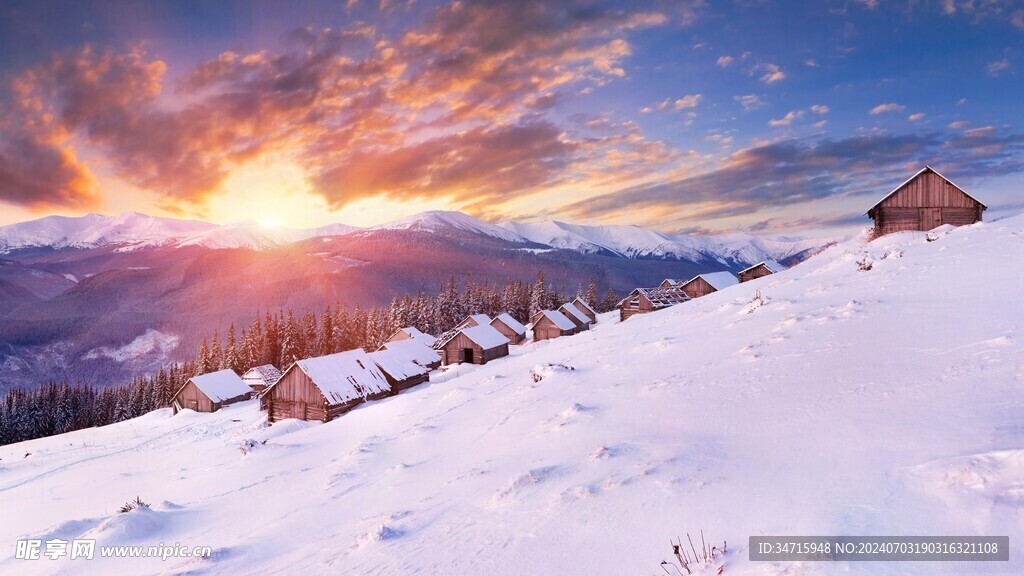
<point>591,296</point>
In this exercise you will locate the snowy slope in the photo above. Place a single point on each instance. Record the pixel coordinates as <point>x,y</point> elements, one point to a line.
<point>447,221</point>
<point>249,234</point>
<point>844,401</point>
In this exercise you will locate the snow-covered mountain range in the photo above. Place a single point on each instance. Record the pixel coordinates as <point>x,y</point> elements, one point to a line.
<point>874,389</point>
<point>132,231</point>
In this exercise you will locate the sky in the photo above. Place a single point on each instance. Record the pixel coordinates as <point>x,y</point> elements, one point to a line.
<point>686,116</point>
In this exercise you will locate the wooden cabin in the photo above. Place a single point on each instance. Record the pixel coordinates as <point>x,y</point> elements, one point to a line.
<point>401,371</point>
<point>704,284</point>
<point>509,327</point>
<point>671,283</point>
<point>411,333</point>
<point>416,350</point>
<point>210,392</point>
<point>925,201</point>
<point>766,268</point>
<point>548,324</point>
<point>573,314</point>
<point>473,345</point>
<point>326,387</point>
<point>259,377</point>
<point>646,300</point>
<point>587,309</point>
<point>474,320</point>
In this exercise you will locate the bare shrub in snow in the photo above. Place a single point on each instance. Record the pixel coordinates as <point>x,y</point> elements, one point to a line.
<point>688,559</point>
<point>865,263</point>
<point>756,302</point>
<point>133,504</point>
<point>541,370</point>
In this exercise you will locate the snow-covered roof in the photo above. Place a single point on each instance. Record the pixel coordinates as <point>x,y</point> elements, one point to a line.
<point>486,336</point>
<point>772,265</point>
<point>475,320</point>
<point>671,282</point>
<point>557,318</point>
<point>416,350</point>
<point>573,312</point>
<point>416,335</point>
<point>266,374</point>
<point>579,300</point>
<point>397,364</point>
<point>344,376</point>
<point>718,280</point>
<point>511,322</point>
<point>919,172</point>
<point>412,331</point>
<point>659,297</point>
<point>221,385</point>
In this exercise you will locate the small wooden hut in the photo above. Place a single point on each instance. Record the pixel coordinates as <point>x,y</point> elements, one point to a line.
<point>704,284</point>
<point>548,324</point>
<point>509,327</point>
<point>646,300</point>
<point>587,309</point>
<point>401,371</point>
<point>473,345</point>
<point>766,268</point>
<point>671,283</point>
<point>573,314</point>
<point>474,320</point>
<point>417,351</point>
<point>925,201</point>
<point>210,392</point>
<point>323,388</point>
<point>411,333</point>
<point>259,377</point>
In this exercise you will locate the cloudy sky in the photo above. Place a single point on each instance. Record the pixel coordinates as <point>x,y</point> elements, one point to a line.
<point>680,115</point>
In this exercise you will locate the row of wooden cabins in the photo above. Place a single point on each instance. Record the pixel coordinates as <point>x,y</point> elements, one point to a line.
<point>672,291</point>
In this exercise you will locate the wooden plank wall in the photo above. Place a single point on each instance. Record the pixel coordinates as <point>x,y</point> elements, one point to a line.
<point>698,287</point>
<point>928,189</point>
<point>190,396</point>
<point>753,273</point>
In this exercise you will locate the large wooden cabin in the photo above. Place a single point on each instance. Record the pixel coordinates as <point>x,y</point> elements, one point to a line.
<point>509,327</point>
<point>766,268</point>
<point>704,284</point>
<point>575,316</point>
<point>323,388</point>
<point>415,350</point>
<point>210,392</point>
<point>587,309</point>
<point>549,324</point>
<point>646,300</point>
<point>473,345</point>
<point>401,371</point>
<point>925,201</point>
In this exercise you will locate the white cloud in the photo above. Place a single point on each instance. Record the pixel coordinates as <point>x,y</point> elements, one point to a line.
<point>772,74</point>
<point>916,117</point>
<point>688,101</point>
<point>820,109</point>
<point>961,102</point>
<point>812,63</point>
<point>883,108</point>
<point>724,61</point>
<point>998,67</point>
<point>978,132</point>
<point>959,124</point>
<point>787,119</point>
<point>749,101</point>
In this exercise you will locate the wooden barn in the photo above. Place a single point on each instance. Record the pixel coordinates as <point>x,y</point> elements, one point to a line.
<point>474,320</point>
<point>411,333</point>
<point>326,387</point>
<point>704,284</point>
<point>587,309</point>
<point>473,345</point>
<point>416,350</point>
<point>646,300</point>
<point>401,371</point>
<point>259,377</point>
<point>509,327</point>
<point>923,202</point>
<point>210,392</point>
<point>671,283</point>
<point>548,324</point>
<point>766,268</point>
<point>575,316</point>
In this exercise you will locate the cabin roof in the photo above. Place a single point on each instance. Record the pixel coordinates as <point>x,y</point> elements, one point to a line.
<point>480,319</point>
<point>557,318</point>
<point>343,376</point>
<point>511,322</point>
<point>573,312</point>
<point>220,385</point>
<point>268,373</point>
<point>920,172</point>
<point>659,297</point>
<point>417,335</point>
<point>584,302</point>
<point>673,281</point>
<point>486,336</point>
<point>397,364</point>
<point>769,264</point>
<point>416,350</point>
<point>717,280</point>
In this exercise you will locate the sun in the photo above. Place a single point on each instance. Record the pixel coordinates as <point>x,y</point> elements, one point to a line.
<point>268,223</point>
